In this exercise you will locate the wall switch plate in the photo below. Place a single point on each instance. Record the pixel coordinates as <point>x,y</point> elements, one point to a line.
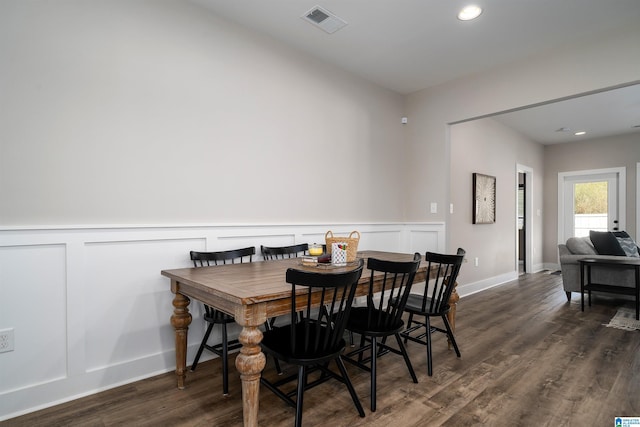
<point>6,340</point>
<point>434,207</point>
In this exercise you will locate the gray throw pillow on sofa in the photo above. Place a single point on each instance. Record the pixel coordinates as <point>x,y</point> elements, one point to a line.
<point>629,246</point>
<point>581,246</point>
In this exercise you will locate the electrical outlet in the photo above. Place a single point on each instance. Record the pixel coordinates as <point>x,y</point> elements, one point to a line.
<point>6,340</point>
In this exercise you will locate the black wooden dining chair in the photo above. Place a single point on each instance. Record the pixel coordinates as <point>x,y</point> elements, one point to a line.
<point>270,253</point>
<point>313,341</point>
<point>434,302</point>
<point>216,317</point>
<point>281,252</point>
<point>382,316</point>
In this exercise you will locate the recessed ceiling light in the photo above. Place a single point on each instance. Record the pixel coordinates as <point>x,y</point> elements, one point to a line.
<point>580,133</point>
<point>469,12</point>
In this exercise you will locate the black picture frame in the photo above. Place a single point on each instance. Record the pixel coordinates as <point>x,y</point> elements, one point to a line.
<point>484,199</point>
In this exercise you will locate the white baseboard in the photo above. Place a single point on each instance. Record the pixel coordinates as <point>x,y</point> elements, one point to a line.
<point>472,288</point>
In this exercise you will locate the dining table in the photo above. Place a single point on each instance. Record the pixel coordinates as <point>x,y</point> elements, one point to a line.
<point>252,293</point>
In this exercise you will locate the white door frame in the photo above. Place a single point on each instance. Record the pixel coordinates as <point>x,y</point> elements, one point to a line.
<point>528,214</point>
<point>622,192</point>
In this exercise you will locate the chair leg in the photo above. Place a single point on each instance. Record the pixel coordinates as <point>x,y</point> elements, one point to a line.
<point>452,339</point>
<point>409,322</point>
<point>407,361</point>
<point>302,375</point>
<point>202,344</point>
<point>374,357</point>
<point>225,361</point>
<point>568,296</point>
<point>268,326</point>
<point>360,356</point>
<point>347,382</point>
<point>278,368</point>
<point>427,325</point>
<point>383,350</point>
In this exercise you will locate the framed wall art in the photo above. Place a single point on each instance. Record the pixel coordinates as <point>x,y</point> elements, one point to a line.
<point>484,199</point>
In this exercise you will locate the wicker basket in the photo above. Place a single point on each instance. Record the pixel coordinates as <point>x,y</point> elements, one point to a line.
<point>351,241</point>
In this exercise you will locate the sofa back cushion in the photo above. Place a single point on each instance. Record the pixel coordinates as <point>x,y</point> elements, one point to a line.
<point>580,246</point>
<point>606,243</point>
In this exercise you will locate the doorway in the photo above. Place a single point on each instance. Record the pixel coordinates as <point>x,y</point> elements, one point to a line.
<point>524,219</point>
<point>591,200</point>
<point>521,222</point>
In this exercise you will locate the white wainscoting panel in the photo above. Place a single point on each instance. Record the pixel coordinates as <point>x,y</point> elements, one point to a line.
<point>122,312</point>
<point>90,310</point>
<point>33,302</point>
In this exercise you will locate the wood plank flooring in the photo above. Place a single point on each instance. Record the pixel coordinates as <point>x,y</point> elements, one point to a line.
<point>529,358</point>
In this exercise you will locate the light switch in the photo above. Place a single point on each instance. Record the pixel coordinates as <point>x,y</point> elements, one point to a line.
<point>434,207</point>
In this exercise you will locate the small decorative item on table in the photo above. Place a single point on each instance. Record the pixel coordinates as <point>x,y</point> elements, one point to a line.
<point>315,252</point>
<point>351,243</point>
<point>339,254</point>
<point>315,249</point>
<point>309,261</point>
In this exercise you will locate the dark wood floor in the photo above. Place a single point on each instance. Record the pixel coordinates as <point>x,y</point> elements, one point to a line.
<point>529,358</point>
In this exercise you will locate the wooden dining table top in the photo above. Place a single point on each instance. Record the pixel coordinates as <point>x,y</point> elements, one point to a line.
<point>259,282</point>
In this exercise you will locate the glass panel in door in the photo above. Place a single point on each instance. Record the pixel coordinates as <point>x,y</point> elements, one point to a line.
<point>590,207</point>
<point>590,204</point>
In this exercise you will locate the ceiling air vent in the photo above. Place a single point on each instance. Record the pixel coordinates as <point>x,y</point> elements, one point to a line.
<point>324,19</point>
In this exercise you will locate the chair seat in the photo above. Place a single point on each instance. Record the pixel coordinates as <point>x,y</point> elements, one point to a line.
<point>277,342</point>
<point>373,322</point>
<point>414,305</point>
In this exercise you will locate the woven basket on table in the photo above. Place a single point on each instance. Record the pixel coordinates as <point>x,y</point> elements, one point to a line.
<point>351,241</point>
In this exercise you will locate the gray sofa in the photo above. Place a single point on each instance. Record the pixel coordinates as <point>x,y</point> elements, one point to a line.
<point>577,248</point>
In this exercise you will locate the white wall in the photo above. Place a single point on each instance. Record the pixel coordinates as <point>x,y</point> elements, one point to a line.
<point>486,146</point>
<point>154,117</point>
<point>157,111</point>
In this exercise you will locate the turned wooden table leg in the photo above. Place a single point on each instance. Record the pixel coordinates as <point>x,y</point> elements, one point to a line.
<point>453,305</point>
<point>180,320</point>
<point>250,363</point>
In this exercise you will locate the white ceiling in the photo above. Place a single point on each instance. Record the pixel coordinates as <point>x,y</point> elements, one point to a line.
<point>409,45</point>
<point>613,112</point>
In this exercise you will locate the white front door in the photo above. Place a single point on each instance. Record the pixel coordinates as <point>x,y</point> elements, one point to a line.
<point>590,200</point>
